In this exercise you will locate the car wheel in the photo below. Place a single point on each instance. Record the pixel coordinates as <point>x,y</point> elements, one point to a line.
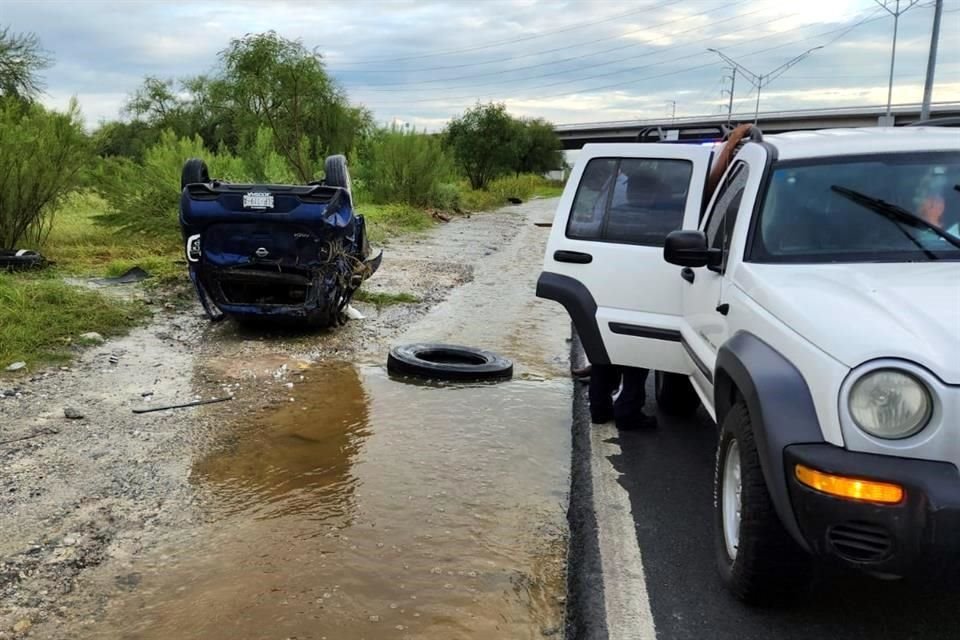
<point>336,173</point>
<point>448,362</point>
<point>758,560</point>
<point>675,394</point>
<point>194,171</point>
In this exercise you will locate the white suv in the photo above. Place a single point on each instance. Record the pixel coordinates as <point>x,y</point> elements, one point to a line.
<point>812,303</point>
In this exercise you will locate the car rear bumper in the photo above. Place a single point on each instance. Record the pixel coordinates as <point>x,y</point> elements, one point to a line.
<point>920,536</point>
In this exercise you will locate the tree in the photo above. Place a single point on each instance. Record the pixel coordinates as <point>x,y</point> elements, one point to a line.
<point>538,147</point>
<point>21,58</point>
<point>268,79</point>
<point>42,154</point>
<point>484,143</point>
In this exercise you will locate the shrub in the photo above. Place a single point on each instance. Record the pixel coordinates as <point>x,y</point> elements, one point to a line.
<point>263,163</point>
<point>484,143</point>
<point>144,197</point>
<point>405,166</point>
<point>42,154</point>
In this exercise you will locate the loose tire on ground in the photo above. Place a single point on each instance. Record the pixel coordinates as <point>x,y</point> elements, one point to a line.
<point>675,395</point>
<point>194,171</point>
<point>768,566</point>
<point>20,260</point>
<point>448,362</point>
<point>336,173</point>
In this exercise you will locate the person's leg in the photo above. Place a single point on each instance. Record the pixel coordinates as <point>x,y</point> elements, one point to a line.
<point>628,408</point>
<point>604,381</point>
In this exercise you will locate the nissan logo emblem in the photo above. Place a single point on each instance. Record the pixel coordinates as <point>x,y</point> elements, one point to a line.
<point>262,253</point>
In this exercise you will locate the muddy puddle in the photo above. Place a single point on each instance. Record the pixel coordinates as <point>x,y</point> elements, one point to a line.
<point>365,507</point>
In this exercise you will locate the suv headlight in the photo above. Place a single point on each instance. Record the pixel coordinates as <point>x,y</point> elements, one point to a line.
<point>890,403</point>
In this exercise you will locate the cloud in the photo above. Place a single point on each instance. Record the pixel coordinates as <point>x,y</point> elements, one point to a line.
<point>567,60</point>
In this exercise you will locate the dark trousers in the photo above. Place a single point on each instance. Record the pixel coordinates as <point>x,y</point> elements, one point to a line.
<point>604,381</point>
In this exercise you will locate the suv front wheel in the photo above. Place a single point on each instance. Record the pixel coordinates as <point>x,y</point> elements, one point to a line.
<point>758,560</point>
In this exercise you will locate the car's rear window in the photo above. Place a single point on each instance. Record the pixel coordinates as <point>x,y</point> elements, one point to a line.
<point>630,200</point>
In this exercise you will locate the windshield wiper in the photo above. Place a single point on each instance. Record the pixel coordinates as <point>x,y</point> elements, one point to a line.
<point>895,213</point>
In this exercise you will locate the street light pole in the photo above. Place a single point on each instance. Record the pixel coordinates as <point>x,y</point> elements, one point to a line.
<point>762,80</point>
<point>931,61</point>
<point>896,13</point>
<point>733,85</point>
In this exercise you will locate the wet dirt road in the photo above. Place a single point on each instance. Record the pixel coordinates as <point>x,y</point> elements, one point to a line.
<point>328,500</point>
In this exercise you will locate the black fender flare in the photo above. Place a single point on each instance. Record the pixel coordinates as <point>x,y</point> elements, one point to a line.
<point>581,306</point>
<point>781,411</point>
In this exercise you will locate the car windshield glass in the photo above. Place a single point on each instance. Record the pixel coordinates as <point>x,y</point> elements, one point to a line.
<point>832,210</point>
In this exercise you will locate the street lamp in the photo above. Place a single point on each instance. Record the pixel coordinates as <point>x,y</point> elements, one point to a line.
<point>763,79</point>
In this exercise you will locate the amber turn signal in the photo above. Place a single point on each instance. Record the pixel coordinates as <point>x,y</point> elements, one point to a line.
<point>850,488</point>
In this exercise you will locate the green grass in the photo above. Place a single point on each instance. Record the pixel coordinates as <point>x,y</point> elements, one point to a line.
<point>383,299</point>
<point>80,246</point>
<point>388,220</point>
<point>41,318</point>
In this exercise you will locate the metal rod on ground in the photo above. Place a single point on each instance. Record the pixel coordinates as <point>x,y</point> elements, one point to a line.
<point>931,61</point>
<point>195,403</point>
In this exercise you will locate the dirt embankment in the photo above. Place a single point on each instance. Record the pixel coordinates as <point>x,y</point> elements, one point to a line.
<point>77,494</point>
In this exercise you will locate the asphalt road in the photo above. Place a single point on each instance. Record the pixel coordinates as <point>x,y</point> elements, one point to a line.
<point>667,475</point>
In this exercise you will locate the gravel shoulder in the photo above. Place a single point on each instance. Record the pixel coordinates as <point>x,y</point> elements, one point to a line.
<point>87,496</point>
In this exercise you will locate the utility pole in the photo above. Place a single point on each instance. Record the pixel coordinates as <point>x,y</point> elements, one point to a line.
<point>762,80</point>
<point>896,12</point>
<point>733,85</point>
<point>931,61</point>
<point>673,111</point>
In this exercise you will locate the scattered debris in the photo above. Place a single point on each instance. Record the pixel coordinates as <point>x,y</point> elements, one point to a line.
<point>16,366</point>
<point>136,274</point>
<point>353,314</point>
<point>35,434</point>
<point>195,403</point>
<point>20,260</point>
<point>439,215</point>
<point>114,358</point>
<point>92,337</point>
<point>72,414</point>
<point>543,224</point>
<point>514,200</point>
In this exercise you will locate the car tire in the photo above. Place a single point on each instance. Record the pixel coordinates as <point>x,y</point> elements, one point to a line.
<point>758,560</point>
<point>336,173</point>
<point>21,260</point>
<point>194,171</point>
<point>675,394</point>
<point>448,362</point>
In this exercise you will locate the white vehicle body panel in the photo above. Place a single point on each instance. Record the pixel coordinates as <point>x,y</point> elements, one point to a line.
<point>631,284</point>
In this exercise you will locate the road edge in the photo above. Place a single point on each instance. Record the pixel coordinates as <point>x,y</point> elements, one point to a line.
<point>586,607</point>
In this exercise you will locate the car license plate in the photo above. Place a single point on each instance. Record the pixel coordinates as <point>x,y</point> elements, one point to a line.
<point>258,201</point>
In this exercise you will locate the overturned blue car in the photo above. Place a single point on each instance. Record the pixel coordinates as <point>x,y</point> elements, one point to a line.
<point>286,253</point>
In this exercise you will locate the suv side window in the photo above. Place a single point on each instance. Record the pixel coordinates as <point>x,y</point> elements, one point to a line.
<point>630,200</point>
<point>723,216</point>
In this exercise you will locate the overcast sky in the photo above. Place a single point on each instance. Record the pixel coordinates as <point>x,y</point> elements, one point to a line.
<point>568,61</point>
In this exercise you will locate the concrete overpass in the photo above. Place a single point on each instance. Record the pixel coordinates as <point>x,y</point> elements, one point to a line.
<point>574,136</point>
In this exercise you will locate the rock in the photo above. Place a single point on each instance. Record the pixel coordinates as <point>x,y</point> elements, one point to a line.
<point>16,366</point>
<point>22,625</point>
<point>73,414</point>
<point>69,541</point>
<point>92,336</point>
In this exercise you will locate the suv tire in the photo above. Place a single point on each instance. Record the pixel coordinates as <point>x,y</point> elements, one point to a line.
<point>194,171</point>
<point>675,395</point>
<point>765,565</point>
<point>335,172</point>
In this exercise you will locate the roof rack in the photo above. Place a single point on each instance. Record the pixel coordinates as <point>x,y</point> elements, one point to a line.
<point>937,122</point>
<point>683,133</point>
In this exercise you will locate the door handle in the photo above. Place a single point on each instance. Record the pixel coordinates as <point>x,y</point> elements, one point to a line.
<point>576,257</point>
<point>687,274</point>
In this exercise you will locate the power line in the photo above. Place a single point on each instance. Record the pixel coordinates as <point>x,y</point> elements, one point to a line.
<point>554,62</point>
<point>554,50</point>
<point>582,25</point>
<point>473,97</point>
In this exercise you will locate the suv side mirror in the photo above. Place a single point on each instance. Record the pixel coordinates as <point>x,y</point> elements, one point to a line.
<point>689,249</point>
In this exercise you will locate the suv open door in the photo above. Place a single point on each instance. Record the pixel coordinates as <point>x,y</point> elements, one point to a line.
<point>604,260</point>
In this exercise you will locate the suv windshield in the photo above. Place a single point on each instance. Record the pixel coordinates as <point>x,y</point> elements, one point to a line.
<point>859,210</point>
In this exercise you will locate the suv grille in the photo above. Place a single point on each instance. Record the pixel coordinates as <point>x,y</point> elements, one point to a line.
<point>861,541</point>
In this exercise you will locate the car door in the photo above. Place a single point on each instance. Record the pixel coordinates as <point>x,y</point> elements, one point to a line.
<point>604,260</point>
<point>705,328</point>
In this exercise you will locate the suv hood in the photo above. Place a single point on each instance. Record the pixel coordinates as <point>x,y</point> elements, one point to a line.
<point>860,312</point>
